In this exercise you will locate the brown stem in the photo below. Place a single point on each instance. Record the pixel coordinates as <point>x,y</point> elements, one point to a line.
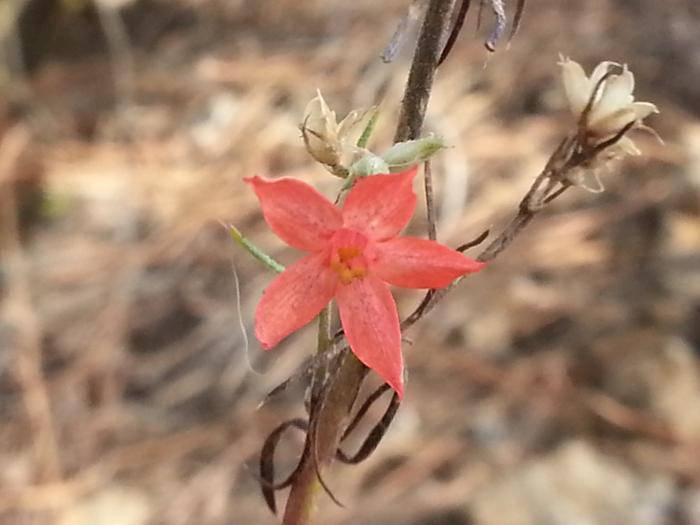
<point>330,421</point>
<point>543,191</point>
<point>425,62</point>
<point>329,414</point>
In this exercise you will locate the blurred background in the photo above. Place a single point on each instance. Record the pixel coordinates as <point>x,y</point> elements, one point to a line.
<point>559,386</point>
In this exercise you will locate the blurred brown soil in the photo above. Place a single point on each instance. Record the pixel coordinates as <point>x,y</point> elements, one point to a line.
<point>128,388</point>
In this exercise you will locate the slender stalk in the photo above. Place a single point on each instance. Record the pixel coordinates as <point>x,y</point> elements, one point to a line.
<point>330,413</point>
<point>425,62</point>
<point>429,200</point>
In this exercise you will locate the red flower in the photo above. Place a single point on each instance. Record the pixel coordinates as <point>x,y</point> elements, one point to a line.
<point>354,253</point>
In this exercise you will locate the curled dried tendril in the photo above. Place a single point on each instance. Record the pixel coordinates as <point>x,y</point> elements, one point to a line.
<point>267,462</point>
<point>375,435</point>
<point>269,486</point>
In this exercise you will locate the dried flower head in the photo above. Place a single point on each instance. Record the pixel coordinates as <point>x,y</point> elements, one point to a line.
<point>329,142</point>
<point>604,102</point>
<point>606,111</point>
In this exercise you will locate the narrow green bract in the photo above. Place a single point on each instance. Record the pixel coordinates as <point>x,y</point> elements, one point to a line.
<point>256,252</point>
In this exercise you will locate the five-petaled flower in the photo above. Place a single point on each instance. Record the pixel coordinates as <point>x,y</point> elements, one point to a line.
<point>354,253</point>
<point>613,107</point>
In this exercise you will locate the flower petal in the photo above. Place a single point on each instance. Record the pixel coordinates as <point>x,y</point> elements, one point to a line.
<point>419,263</point>
<point>294,298</point>
<point>600,71</point>
<point>617,95</point>
<point>613,122</point>
<point>296,212</point>
<point>371,323</point>
<point>381,205</point>
<point>643,109</point>
<point>587,179</point>
<point>627,146</point>
<point>576,85</point>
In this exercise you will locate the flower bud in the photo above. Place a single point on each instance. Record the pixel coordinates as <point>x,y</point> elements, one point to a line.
<point>404,154</point>
<point>369,164</point>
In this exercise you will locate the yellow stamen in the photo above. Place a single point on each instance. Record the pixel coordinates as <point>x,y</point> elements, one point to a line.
<point>359,272</point>
<point>346,264</point>
<point>346,275</point>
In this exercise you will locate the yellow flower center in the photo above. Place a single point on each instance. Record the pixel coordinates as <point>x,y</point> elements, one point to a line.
<point>348,263</point>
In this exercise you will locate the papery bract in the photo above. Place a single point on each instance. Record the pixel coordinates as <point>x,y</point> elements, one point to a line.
<point>330,142</point>
<point>354,255</point>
